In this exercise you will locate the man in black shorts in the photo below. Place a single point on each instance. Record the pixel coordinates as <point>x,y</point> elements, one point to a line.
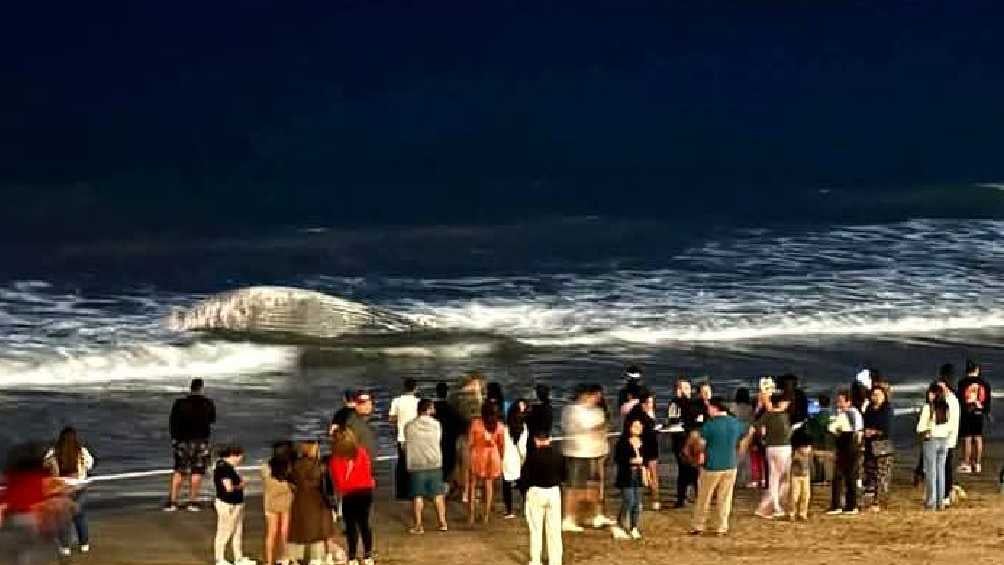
<point>191,419</point>
<point>974,396</point>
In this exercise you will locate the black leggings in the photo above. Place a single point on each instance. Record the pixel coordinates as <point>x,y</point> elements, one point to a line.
<point>356,513</point>
<point>507,489</point>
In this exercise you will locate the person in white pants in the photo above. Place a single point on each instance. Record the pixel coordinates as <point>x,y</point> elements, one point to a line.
<point>776,431</point>
<point>541,476</point>
<point>229,507</point>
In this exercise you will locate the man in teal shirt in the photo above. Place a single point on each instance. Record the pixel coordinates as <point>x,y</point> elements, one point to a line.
<point>720,441</point>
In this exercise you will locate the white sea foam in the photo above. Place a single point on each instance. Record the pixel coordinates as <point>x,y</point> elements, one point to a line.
<point>147,362</point>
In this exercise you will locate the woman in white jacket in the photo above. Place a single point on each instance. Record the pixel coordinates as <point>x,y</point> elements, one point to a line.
<point>71,461</point>
<point>514,453</point>
<point>935,426</point>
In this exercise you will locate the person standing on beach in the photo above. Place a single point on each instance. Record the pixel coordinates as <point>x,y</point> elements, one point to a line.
<point>516,438</point>
<point>934,427</point>
<point>229,507</point>
<point>277,501</point>
<point>976,399</point>
<point>486,439</point>
<point>540,419</point>
<point>631,477</point>
<point>722,437</point>
<point>541,478</point>
<point>342,414</point>
<point>311,523</point>
<point>684,417</point>
<point>946,381</point>
<point>358,422</point>
<point>632,388</point>
<point>190,423</point>
<point>449,424</point>
<point>644,411</point>
<point>403,409</point>
<point>584,448</point>
<point>775,428</point>
<point>352,472</point>
<point>878,447</point>
<point>71,461</point>
<point>425,462</point>
<point>848,427</point>
<point>466,401</point>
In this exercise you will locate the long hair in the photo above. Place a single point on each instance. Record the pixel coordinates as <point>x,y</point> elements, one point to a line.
<point>515,420</point>
<point>939,406</point>
<point>281,462</point>
<point>67,452</point>
<point>490,416</point>
<point>344,444</point>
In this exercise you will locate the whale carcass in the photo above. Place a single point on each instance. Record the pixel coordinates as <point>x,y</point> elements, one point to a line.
<point>284,311</point>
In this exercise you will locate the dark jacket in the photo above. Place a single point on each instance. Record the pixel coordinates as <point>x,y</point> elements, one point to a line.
<point>649,435</point>
<point>192,417</point>
<point>628,475</point>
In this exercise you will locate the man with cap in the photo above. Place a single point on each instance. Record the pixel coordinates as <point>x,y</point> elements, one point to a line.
<point>358,421</point>
<point>631,391</point>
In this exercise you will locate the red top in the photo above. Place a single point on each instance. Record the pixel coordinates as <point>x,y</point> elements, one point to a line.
<point>352,475</point>
<point>24,491</point>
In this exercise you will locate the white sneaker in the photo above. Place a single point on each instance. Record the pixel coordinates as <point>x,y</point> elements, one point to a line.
<point>853,512</point>
<point>64,551</point>
<point>329,559</point>
<point>619,533</point>
<point>965,468</point>
<point>85,548</point>
<point>978,469</point>
<point>635,534</point>
<point>834,512</point>
<point>354,562</point>
<point>601,521</point>
<point>311,562</point>
<point>245,561</point>
<point>368,561</point>
<point>656,505</point>
<point>223,562</point>
<point>570,526</point>
<point>947,502</point>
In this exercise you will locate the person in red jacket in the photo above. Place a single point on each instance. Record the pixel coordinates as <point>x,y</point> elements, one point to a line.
<point>33,504</point>
<point>352,474</point>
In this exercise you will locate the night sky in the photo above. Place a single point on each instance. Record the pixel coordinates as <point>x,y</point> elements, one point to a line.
<point>123,118</point>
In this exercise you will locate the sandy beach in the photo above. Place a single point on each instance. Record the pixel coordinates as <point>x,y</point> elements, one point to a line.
<point>972,531</point>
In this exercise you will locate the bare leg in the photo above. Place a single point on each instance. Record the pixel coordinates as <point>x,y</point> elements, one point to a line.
<point>489,492</point>
<point>418,505</point>
<point>472,497</point>
<point>283,535</point>
<point>196,486</point>
<point>441,510</point>
<point>967,454</point>
<point>176,480</point>
<point>271,536</point>
<point>978,441</point>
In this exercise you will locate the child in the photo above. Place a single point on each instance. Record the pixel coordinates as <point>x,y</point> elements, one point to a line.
<point>229,506</point>
<point>801,486</point>
<point>630,478</point>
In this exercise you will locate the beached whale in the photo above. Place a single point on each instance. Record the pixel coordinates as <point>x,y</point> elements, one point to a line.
<point>276,310</point>
<point>329,327</point>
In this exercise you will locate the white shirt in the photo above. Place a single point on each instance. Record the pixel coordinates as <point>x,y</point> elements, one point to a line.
<point>585,428</point>
<point>514,454</point>
<point>84,464</point>
<point>954,417</point>
<point>927,423</point>
<point>403,409</point>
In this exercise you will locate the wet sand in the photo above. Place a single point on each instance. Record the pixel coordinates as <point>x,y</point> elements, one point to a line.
<point>971,532</point>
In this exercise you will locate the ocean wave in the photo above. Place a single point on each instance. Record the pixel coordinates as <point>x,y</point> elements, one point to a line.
<point>146,362</point>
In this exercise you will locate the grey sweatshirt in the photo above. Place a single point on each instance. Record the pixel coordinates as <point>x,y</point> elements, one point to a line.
<point>422,449</point>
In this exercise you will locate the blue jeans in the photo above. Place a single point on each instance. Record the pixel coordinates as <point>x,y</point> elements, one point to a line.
<point>79,522</point>
<point>630,507</point>
<point>935,455</point>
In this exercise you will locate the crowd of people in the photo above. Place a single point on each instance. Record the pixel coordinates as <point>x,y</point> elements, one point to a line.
<point>465,443</point>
